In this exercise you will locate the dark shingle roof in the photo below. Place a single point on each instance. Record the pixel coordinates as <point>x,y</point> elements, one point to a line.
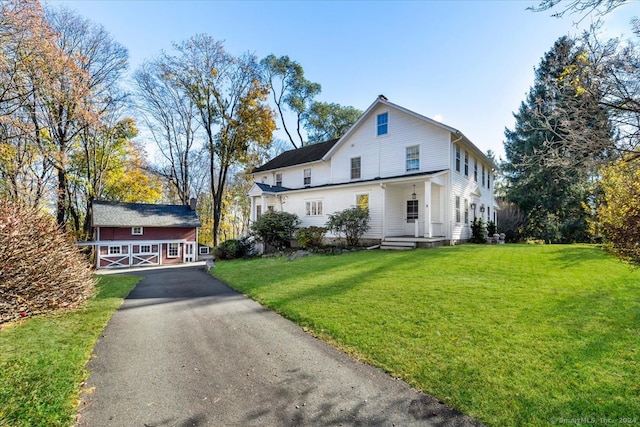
<point>298,156</point>
<point>113,214</point>
<point>271,188</point>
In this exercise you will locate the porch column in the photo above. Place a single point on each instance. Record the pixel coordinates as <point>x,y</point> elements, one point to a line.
<point>263,201</point>
<point>252,214</point>
<point>384,210</point>
<point>428,230</point>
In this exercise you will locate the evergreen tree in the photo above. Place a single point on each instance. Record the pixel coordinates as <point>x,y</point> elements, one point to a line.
<point>544,178</point>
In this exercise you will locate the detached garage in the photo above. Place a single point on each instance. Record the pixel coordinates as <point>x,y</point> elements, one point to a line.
<point>138,234</point>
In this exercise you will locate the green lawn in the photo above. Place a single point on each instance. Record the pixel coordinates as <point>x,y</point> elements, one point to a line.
<point>509,334</point>
<point>42,360</point>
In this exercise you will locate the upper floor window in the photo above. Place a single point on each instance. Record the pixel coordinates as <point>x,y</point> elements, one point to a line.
<point>383,124</point>
<point>313,207</point>
<point>466,163</point>
<point>457,159</point>
<point>475,170</point>
<point>137,231</point>
<point>413,158</point>
<point>483,175</point>
<point>278,180</point>
<point>489,180</point>
<point>355,168</point>
<point>307,177</point>
<point>362,201</point>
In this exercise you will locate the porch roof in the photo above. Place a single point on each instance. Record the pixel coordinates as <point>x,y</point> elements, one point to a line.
<point>265,188</point>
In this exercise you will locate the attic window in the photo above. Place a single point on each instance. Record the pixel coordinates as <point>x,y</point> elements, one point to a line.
<point>136,231</point>
<point>383,124</point>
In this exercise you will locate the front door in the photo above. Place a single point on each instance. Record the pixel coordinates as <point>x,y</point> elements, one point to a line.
<point>411,218</point>
<point>189,253</point>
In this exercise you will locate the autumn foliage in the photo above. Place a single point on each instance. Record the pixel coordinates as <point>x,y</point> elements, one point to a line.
<point>40,270</point>
<point>619,214</point>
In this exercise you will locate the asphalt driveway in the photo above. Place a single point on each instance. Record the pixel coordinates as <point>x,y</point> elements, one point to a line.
<point>186,350</point>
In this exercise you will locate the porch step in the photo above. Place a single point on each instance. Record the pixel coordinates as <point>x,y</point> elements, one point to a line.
<point>397,245</point>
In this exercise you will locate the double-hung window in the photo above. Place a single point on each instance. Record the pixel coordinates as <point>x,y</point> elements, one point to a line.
<point>483,175</point>
<point>475,170</point>
<point>457,208</point>
<point>307,177</point>
<point>466,211</point>
<point>278,180</point>
<point>466,163</point>
<point>313,207</point>
<point>413,158</point>
<point>457,159</point>
<point>362,201</point>
<point>356,168</point>
<point>383,124</point>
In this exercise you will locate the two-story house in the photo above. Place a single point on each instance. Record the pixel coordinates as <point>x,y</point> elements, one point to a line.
<point>422,181</point>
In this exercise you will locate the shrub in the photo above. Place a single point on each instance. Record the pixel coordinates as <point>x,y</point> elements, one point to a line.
<point>276,228</point>
<point>491,228</point>
<point>232,249</point>
<point>352,223</point>
<point>478,231</point>
<point>40,269</point>
<point>619,210</point>
<point>311,237</point>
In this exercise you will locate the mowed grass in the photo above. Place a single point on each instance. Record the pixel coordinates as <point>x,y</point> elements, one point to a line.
<point>509,334</point>
<point>42,360</point>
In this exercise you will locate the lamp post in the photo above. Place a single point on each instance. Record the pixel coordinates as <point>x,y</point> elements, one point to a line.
<point>473,206</point>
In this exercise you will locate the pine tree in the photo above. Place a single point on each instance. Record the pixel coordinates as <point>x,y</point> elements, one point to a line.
<point>544,177</point>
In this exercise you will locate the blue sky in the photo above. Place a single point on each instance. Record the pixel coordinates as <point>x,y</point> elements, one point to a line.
<point>467,63</point>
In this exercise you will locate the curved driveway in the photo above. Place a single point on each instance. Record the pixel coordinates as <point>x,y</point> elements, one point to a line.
<point>186,350</point>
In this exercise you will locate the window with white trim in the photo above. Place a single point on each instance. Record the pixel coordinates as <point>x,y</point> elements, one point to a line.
<point>457,208</point>
<point>413,158</point>
<point>362,201</point>
<point>412,211</point>
<point>466,163</point>
<point>457,159</point>
<point>313,207</point>
<point>466,211</point>
<point>173,250</point>
<point>115,250</point>
<point>383,124</point>
<point>475,170</point>
<point>483,172</point>
<point>279,180</point>
<point>137,231</point>
<point>145,249</point>
<point>356,168</point>
<point>307,177</point>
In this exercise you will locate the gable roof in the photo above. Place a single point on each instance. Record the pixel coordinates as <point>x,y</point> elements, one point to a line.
<point>114,214</point>
<point>382,100</point>
<point>307,154</point>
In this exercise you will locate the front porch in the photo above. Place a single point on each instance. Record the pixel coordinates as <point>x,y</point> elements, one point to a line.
<point>415,210</point>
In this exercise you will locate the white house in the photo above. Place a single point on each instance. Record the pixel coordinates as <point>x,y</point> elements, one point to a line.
<point>422,181</point>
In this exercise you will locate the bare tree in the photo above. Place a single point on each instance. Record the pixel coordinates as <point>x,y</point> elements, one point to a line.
<point>170,116</point>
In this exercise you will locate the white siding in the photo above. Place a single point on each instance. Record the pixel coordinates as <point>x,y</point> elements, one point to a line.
<point>334,200</point>
<point>385,156</point>
<point>293,177</point>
